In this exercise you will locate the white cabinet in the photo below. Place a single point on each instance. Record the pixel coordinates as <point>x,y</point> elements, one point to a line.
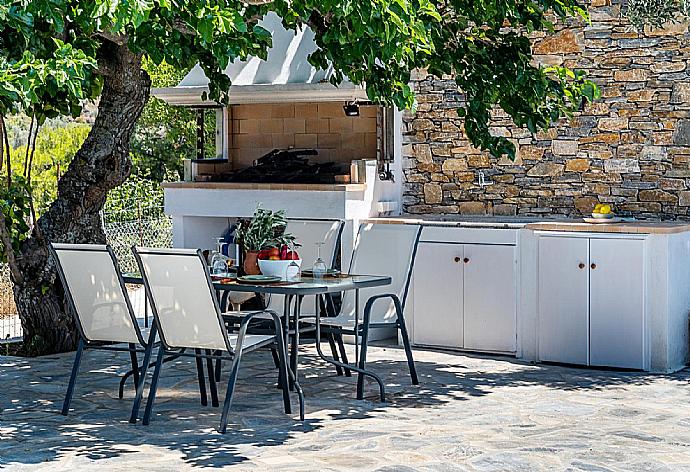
<point>563,300</point>
<point>464,296</point>
<point>616,301</point>
<point>489,298</point>
<point>591,300</point>
<point>437,298</point>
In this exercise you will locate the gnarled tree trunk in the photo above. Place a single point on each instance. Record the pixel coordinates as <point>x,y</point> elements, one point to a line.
<point>100,165</point>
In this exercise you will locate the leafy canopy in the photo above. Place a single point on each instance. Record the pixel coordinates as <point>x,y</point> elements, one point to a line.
<point>50,50</point>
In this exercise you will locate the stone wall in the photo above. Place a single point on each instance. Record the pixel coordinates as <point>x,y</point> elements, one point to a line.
<point>631,148</point>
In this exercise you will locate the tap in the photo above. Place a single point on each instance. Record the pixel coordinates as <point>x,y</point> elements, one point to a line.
<point>482,181</point>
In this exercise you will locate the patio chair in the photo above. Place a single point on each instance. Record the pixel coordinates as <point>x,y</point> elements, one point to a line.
<point>187,316</point>
<point>380,249</point>
<point>97,297</point>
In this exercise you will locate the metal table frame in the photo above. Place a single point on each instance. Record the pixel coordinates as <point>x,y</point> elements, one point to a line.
<point>306,286</point>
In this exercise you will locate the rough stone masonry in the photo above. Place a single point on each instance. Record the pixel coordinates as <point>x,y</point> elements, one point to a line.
<point>631,148</point>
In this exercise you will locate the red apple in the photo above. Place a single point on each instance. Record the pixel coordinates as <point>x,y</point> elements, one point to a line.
<point>292,256</point>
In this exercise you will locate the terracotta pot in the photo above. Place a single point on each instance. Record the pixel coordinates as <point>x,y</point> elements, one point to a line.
<point>251,263</point>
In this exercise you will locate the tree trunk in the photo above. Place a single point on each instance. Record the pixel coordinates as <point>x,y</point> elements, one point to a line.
<point>100,165</point>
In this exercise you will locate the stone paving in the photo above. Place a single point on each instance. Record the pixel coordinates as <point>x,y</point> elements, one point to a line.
<point>472,413</point>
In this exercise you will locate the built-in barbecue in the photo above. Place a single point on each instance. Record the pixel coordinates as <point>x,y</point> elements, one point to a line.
<point>287,166</point>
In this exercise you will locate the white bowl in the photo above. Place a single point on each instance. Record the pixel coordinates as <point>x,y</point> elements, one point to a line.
<point>602,215</point>
<point>276,268</point>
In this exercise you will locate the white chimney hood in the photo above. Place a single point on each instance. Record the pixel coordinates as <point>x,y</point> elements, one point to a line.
<point>285,76</point>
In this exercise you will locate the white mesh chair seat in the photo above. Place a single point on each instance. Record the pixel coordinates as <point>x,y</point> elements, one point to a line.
<point>341,322</point>
<point>252,340</point>
<point>187,315</point>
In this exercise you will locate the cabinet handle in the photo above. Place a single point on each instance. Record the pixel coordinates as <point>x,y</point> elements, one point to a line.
<point>466,260</point>
<point>456,259</point>
<point>593,266</point>
<point>581,265</point>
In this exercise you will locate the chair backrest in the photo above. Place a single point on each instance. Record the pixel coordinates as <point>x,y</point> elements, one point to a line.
<point>182,298</point>
<point>96,292</point>
<point>382,249</point>
<point>308,232</point>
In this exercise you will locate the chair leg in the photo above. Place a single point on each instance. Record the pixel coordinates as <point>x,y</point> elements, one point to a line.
<point>201,377</point>
<point>218,364</point>
<point>211,379</point>
<point>362,362</point>
<point>343,353</point>
<point>406,342</point>
<point>334,352</point>
<point>276,359</point>
<point>154,386</point>
<point>230,392</point>
<point>135,365</point>
<point>140,385</point>
<point>73,378</point>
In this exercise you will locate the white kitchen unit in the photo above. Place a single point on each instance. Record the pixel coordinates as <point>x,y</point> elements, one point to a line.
<point>591,300</point>
<point>613,296</point>
<point>464,289</point>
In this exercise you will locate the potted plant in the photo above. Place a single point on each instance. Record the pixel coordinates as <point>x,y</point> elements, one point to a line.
<point>264,232</point>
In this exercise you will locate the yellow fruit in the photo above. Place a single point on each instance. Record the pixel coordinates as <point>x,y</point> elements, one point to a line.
<point>606,209</point>
<point>598,206</point>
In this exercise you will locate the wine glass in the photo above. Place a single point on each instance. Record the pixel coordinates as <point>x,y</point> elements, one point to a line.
<point>319,269</point>
<point>292,271</point>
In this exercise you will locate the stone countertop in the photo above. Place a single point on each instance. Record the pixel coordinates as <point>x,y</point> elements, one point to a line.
<point>630,227</point>
<point>538,224</point>
<point>256,186</point>
<point>499,222</point>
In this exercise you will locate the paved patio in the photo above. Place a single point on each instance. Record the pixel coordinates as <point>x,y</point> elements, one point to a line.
<point>470,413</point>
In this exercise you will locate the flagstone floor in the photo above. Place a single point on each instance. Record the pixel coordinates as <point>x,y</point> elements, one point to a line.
<point>472,413</point>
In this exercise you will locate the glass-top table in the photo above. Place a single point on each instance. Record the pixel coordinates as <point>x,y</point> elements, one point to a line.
<point>300,288</point>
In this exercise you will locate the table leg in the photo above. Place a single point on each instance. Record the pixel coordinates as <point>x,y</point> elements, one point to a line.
<point>294,353</point>
<point>356,326</point>
<point>293,382</point>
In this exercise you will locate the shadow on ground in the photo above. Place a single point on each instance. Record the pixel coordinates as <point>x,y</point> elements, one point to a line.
<point>33,432</point>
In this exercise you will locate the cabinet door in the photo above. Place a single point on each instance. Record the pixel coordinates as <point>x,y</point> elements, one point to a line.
<point>563,299</point>
<point>616,319</point>
<point>438,295</point>
<point>489,298</point>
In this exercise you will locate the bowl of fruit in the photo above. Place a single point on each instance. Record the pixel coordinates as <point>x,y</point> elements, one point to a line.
<point>275,261</point>
<point>602,213</point>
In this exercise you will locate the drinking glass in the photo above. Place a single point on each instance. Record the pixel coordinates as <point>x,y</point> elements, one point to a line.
<point>319,269</point>
<point>292,272</point>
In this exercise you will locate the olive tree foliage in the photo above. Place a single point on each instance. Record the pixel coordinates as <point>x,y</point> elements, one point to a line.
<point>56,54</point>
<point>656,13</point>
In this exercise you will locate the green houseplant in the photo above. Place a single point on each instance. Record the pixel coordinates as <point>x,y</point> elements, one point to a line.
<point>266,229</point>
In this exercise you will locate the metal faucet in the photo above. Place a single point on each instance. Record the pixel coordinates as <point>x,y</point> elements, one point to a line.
<point>481,180</point>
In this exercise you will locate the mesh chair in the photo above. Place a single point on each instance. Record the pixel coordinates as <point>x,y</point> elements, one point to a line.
<point>187,316</point>
<point>97,297</point>
<point>379,249</point>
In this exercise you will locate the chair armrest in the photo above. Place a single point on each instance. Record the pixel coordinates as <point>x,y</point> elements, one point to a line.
<point>372,299</point>
<point>250,316</point>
